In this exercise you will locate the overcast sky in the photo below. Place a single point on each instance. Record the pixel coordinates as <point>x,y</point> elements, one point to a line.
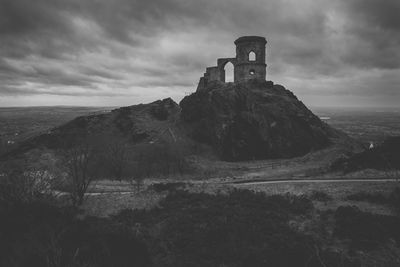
<point>123,52</point>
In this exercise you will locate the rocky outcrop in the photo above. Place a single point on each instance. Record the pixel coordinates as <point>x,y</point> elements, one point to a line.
<point>253,120</point>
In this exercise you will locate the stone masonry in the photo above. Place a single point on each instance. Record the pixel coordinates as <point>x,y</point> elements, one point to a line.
<point>248,64</point>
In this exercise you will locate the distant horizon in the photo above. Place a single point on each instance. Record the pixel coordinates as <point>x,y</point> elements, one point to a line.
<point>366,108</point>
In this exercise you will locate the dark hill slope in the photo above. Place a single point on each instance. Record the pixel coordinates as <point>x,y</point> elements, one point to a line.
<point>253,120</point>
<point>132,124</point>
<point>245,121</point>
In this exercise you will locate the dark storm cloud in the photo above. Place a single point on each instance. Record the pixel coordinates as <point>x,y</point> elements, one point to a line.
<point>374,13</point>
<point>31,27</point>
<point>373,31</point>
<point>123,46</point>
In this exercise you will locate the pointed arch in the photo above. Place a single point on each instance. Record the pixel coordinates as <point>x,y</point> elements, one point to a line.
<point>252,56</point>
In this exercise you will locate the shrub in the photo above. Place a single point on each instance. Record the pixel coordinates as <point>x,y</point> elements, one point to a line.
<point>292,203</point>
<point>242,228</point>
<point>394,198</point>
<point>320,196</point>
<point>365,230</point>
<point>100,242</point>
<point>383,157</point>
<point>369,197</point>
<point>38,234</point>
<point>22,183</point>
<point>160,112</point>
<point>160,187</point>
<point>161,159</point>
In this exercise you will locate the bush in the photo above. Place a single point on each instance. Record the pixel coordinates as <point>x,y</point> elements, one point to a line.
<point>104,243</point>
<point>292,203</point>
<point>384,157</point>
<point>38,234</point>
<point>162,159</point>
<point>160,187</point>
<point>366,230</point>
<point>392,199</point>
<point>369,197</point>
<point>320,196</point>
<point>21,183</point>
<point>242,228</point>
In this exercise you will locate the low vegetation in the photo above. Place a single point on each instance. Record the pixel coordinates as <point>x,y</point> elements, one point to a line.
<point>366,230</point>
<point>170,187</point>
<point>240,228</point>
<point>78,162</point>
<point>392,199</point>
<point>385,157</point>
<point>320,196</point>
<point>377,198</point>
<point>236,228</point>
<point>39,234</point>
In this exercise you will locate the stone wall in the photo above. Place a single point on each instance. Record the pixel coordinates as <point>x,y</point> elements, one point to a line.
<point>244,68</point>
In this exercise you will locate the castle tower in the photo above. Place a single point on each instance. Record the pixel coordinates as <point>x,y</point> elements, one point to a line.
<point>250,58</point>
<point>249,63</point>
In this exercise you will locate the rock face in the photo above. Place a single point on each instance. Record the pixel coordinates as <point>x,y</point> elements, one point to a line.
<point>253,120</point>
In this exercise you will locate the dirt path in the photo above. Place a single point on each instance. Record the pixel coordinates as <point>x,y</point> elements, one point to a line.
<point>314,181</point>
<point>122,191</point>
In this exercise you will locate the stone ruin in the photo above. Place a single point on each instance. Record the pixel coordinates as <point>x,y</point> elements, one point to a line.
<point>248,64</point>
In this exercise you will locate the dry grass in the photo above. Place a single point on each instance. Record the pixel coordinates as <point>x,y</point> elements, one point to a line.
<point>337,190</point>
<point>106,204</point>
<point>111,196</point>
<point>216,176</point>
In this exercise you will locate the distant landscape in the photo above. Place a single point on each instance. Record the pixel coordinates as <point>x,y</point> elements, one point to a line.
<point>366,125</point>
<point>20,123</point>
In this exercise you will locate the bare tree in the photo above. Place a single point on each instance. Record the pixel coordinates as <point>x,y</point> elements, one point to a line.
<point>117,159</point>
<point>79,164</point>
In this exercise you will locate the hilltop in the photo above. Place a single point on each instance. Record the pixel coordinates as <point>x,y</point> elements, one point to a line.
<point>232,121</point>
<point>254,120</point>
